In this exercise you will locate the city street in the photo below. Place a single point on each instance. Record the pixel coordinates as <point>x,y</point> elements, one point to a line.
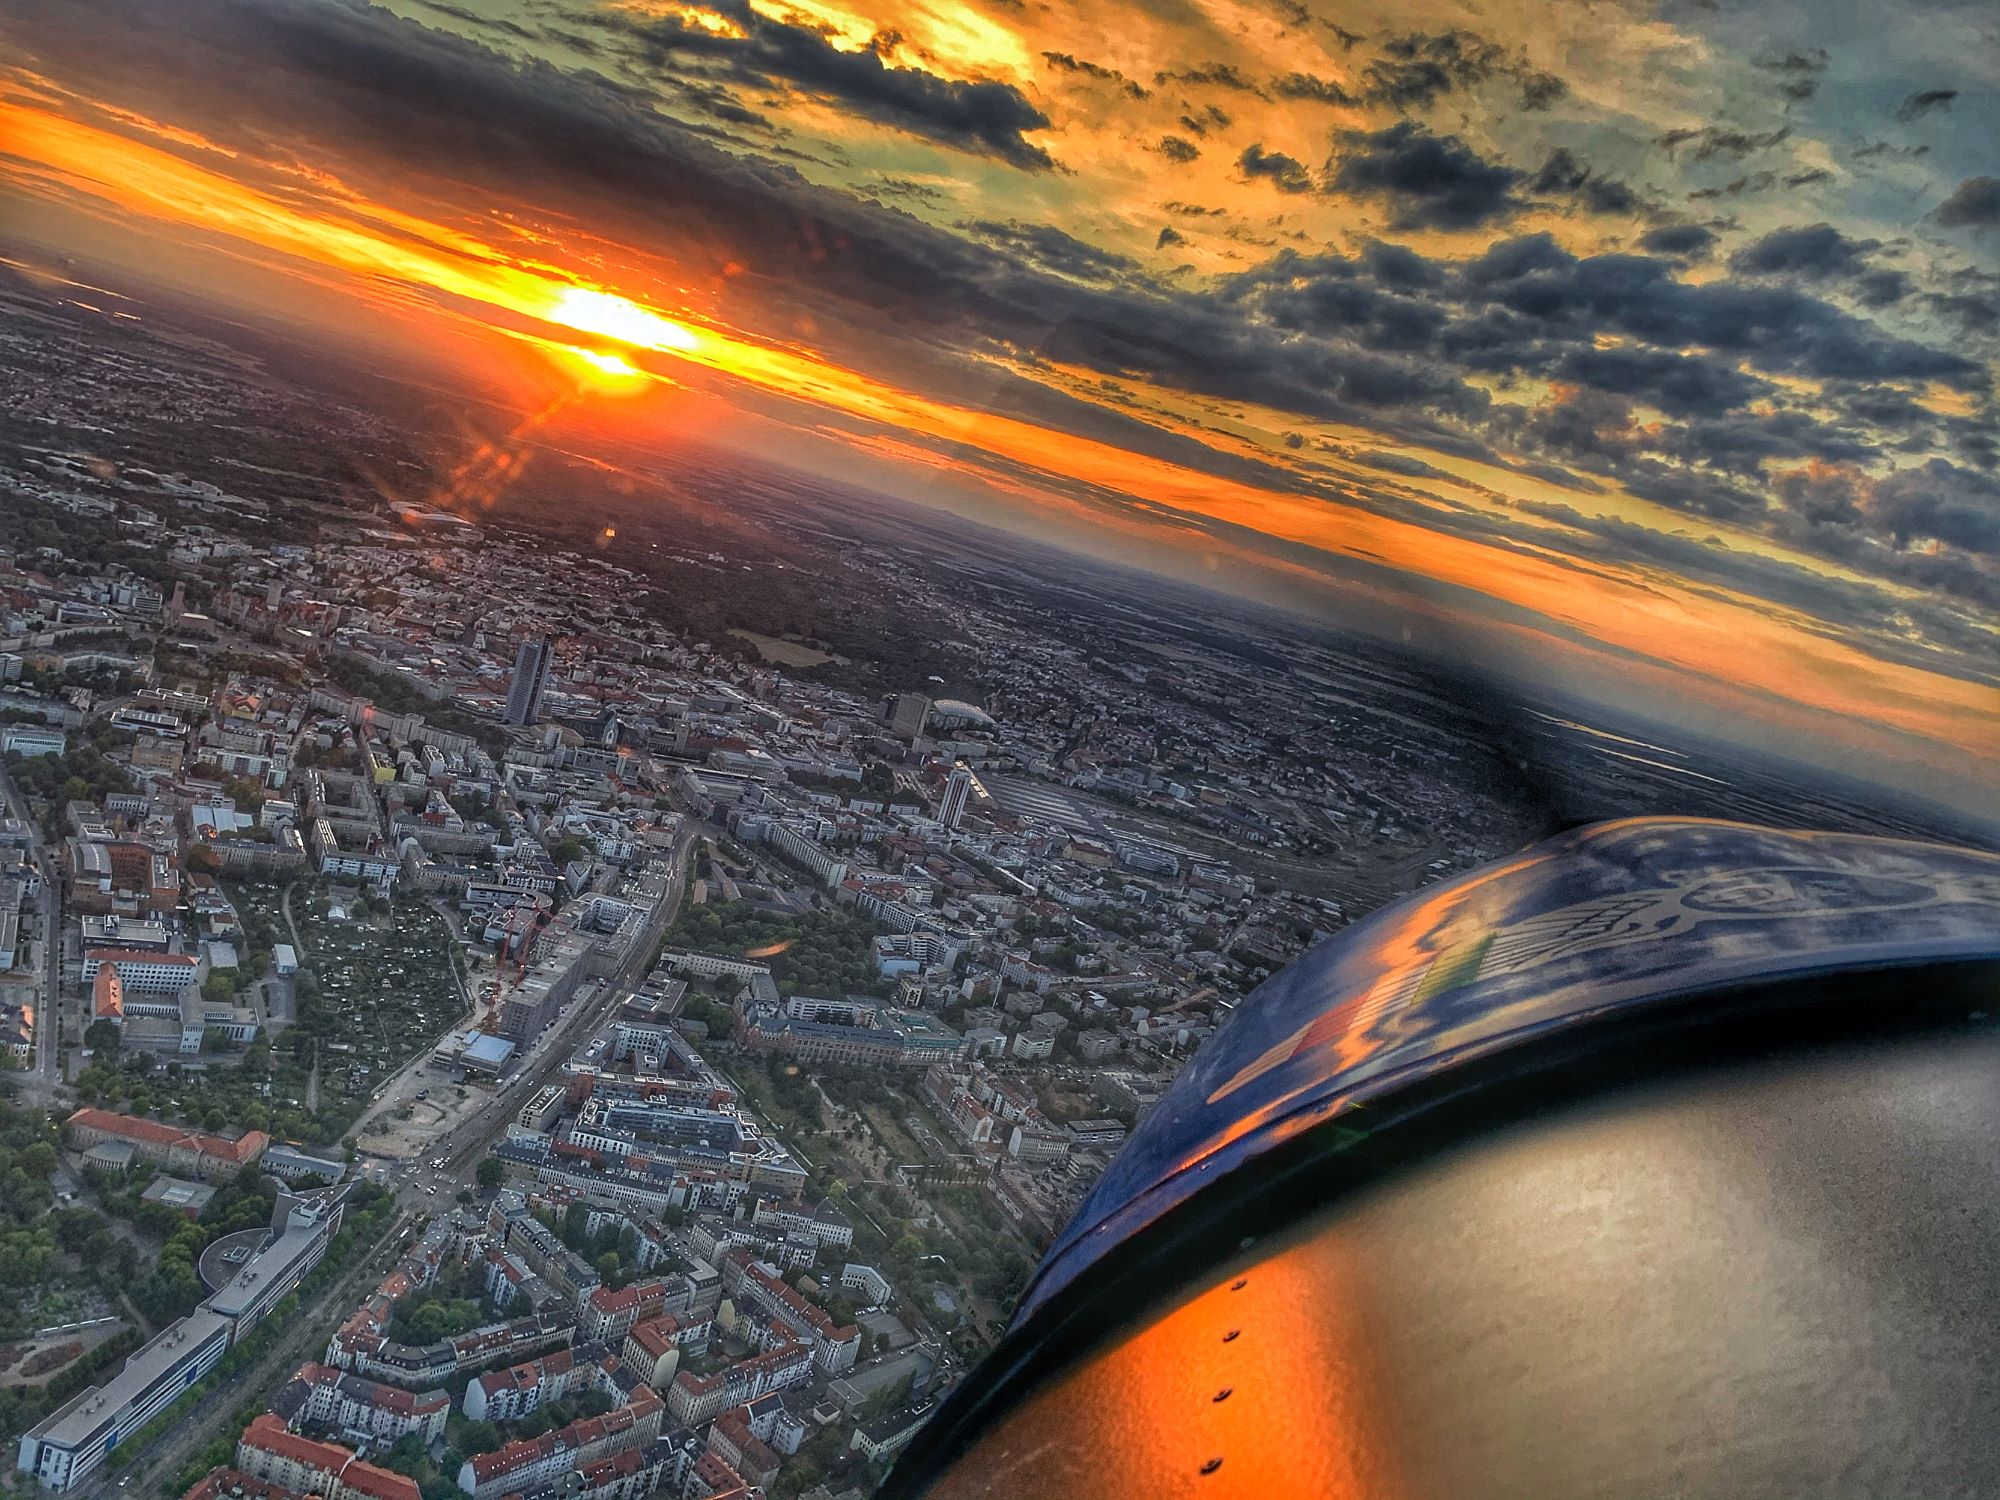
<point>420,1185</point>
<point>48,1019</point>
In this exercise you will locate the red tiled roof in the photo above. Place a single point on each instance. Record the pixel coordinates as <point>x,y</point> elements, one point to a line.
<point>656,1335</point>
<point>715,1472</point>
<point>108,993</point>
<point>607,1301</point>
<point>378,1484</point>
<point>528,1375</point>
<point>153,1133</point>
<point>227,1481</point>
<point>270,1434</point>
<point>515,1455</point>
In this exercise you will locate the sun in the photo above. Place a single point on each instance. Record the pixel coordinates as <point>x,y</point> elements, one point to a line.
<point>614,317</point>
<point>602,371</point>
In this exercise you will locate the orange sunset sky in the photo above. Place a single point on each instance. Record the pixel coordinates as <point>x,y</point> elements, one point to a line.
<point>1653,343</point>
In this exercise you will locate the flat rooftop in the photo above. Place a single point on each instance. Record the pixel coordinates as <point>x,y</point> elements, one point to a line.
<point>93,1412</point>
<point>279,1260</point>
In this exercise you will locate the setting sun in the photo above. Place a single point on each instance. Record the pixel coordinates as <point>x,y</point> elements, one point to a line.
<point>620,318</point>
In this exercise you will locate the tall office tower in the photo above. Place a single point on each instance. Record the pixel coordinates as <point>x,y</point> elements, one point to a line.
<point>908,713</point>
<point>531,675</point>
<point>957,792</point>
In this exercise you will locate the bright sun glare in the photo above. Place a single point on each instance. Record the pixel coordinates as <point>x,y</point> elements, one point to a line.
<point>613,317</point>
<point>610,364</point>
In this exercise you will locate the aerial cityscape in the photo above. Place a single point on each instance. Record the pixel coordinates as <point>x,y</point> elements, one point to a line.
<point>655,682</point>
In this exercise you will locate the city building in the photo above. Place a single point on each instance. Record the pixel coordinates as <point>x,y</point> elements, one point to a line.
<point>271,1451</point>
<point>531,677</point>
<point>526,1463</point>
<point>142,972</point>
<point>907,715</point>
<point>511,1394</point>
<point>68,1444</point>
<point>888,1435</point>
<point>364,1411</point>
<point>698,1399</point>
<point>186,1198</point>
<point>185,1152</point>
<point>307,1227</point>
<point>957,793</point>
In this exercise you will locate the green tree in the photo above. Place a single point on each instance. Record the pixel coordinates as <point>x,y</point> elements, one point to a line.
<point>492,1172</point>
<point>478,1437</point>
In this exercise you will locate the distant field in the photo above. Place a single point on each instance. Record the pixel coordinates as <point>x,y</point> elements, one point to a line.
<point>787,653</point>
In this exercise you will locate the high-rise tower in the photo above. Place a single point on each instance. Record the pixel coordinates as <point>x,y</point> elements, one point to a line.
<point>531,675</point>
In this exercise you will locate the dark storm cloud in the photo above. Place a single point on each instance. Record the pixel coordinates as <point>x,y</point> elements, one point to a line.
<point>1064,63</point>
<point>1331,296</point>
<point>1972,439</point>
<point>1215,75</point>
<point>472,18</point>
<point>1428,181</point>
<point>1045,246</point>
<point>1174,148</point>
<point>1813,252</point>
<point>1752,182</point>
<point>1556,474</point>
<point>1822,494</point>
<point>1797,74</point>
<point>1875,150</point>
<point>1777,328</point>
<point>1939,499</point>
<point>1923,102</point>
<point>1881,406</point>
<point>1306,86</point>
<point>1680,241</point>
<point>1286,173</point>
<point>1169,236</point>
<point>1712,141</point>
<point>985,117</point>
<point>1678,384</point>
<point>1973,204</point>
<point>903,187</point>
<point>1528,308</point>
<point>1880,288</point>
<point>1562,175</point>
<point>1415,69</point>
<point>1540,90</point>
<point>717,102</point>
<point>1977,316</point>
<point>1401,463</point>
